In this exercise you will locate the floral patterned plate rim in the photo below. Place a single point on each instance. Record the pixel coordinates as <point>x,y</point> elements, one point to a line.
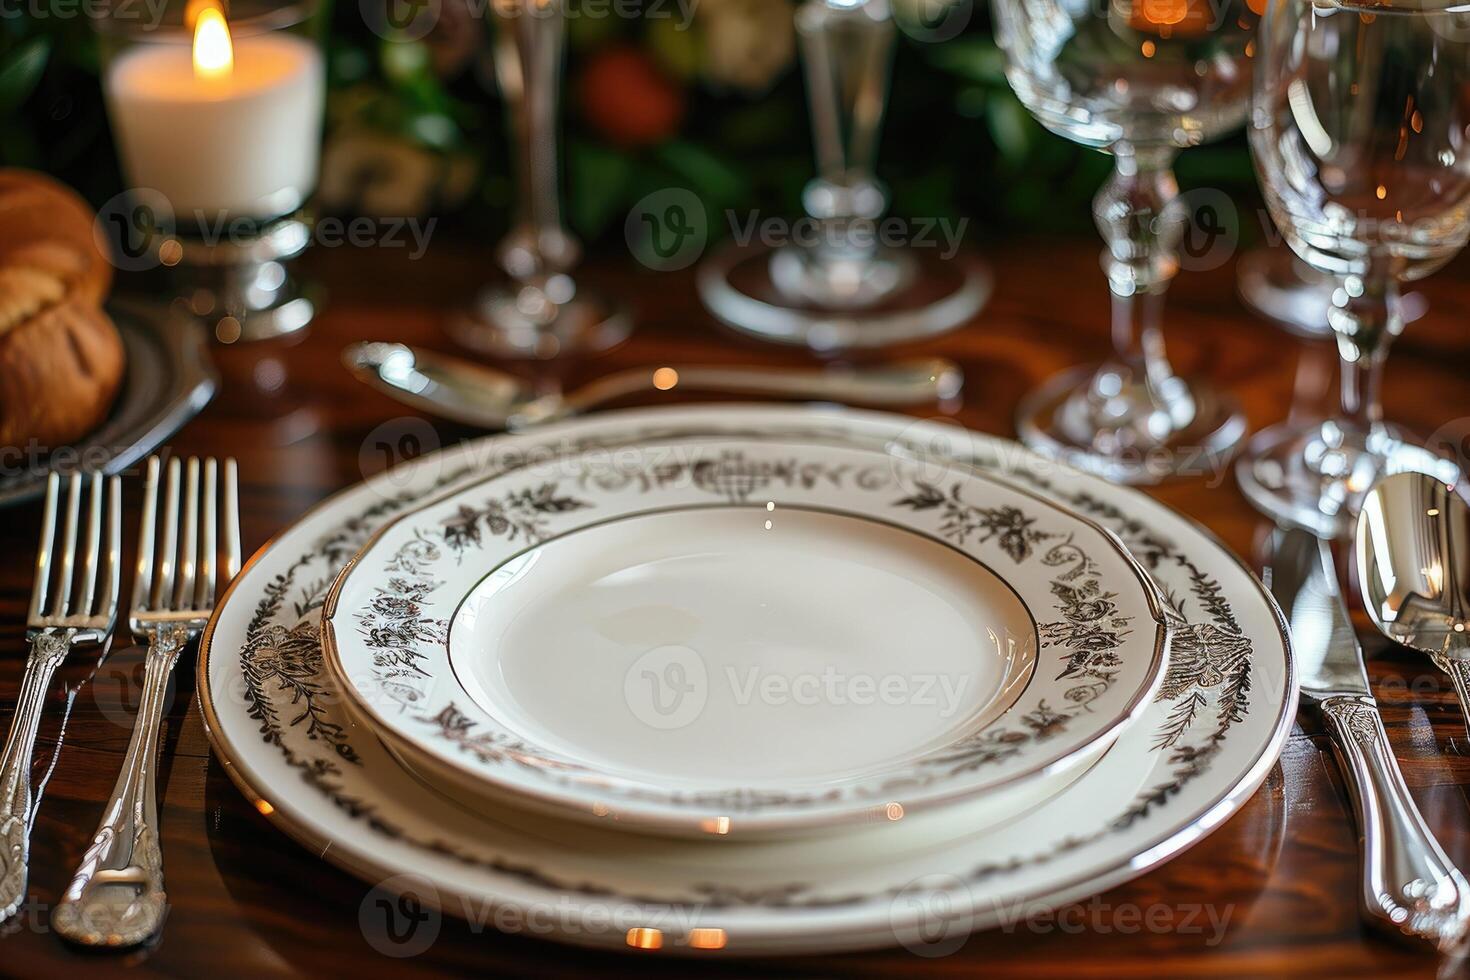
<point>1201,749</point>
<point>831,557</point>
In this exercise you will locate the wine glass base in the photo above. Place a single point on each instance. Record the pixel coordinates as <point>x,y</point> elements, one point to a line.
<point>1315,474</point>
<point>1277,286</point>
<point>585,324</point>
<point>1055,421</point>
<point>929,296</point>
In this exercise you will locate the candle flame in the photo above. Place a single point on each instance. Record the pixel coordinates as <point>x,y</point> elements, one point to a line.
<point>214,55</point>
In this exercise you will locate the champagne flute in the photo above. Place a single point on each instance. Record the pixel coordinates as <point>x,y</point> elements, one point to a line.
<point>1141,80</point>
<point>837,285</point>
<point>542,311</point>
<point>1359,135</point>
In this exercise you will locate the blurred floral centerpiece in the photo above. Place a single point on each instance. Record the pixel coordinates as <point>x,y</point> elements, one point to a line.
<point>700,94</point>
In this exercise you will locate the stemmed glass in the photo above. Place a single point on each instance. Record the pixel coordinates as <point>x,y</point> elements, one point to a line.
<point>838,284</point>
<point>541,311</point>
<point>1140,79</point>
<point>1359,133</point>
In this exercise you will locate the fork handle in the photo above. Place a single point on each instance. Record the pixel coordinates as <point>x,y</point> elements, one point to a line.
<point>1408,880</point>
<point>48,650</point>
<point>116,897</point>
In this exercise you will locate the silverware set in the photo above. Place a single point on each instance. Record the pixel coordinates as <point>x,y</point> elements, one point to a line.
<point>1411,545</point>
<point>187,551</point>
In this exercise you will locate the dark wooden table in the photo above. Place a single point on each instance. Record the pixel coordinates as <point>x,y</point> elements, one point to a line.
<point>245,900</point>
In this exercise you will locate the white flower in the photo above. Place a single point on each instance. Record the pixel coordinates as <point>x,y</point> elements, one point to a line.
<point>747,43</point>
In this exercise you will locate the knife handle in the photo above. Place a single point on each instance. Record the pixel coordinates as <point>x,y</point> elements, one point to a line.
<point>1407,877</point>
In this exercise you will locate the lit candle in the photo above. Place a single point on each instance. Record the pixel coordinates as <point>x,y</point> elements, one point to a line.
<point>223,127</point>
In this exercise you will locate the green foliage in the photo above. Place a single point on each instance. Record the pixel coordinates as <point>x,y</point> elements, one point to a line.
<point>956,142</point>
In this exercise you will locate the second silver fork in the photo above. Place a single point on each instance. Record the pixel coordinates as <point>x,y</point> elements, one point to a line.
<point>57,621</point>
<point>116,897</point>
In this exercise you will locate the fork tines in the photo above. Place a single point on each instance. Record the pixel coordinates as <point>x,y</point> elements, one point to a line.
<point>181,583</point>
<point>95,583</point>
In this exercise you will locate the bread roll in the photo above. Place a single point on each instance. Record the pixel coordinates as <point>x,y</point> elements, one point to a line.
<point>61,359</point>
<point>35,208</point>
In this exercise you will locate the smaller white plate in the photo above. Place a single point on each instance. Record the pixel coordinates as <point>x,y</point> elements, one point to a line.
<point>740,637</point>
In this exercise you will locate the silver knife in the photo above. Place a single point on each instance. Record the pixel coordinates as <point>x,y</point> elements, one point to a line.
<point>1407,878</point>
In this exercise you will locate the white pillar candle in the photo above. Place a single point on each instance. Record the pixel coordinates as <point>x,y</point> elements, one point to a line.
<point>218,138</point>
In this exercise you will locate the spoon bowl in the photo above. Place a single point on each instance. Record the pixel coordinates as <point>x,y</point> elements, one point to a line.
<point>1413,556</point>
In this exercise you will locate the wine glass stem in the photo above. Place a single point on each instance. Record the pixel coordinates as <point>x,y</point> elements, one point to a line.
<point>846,50</point>
<point>1142,221</point>
<point>1365,316</point>
<point>528,62</point>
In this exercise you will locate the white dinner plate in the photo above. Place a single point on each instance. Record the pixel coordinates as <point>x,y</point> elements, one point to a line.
<point>1200,749</point>
<point>744,637</point>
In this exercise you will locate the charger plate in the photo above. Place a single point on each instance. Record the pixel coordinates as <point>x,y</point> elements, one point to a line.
<point>1200,749</point>
<point>740,637</point>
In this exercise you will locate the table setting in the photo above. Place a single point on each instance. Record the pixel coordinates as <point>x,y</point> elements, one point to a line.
<point>596,586</point>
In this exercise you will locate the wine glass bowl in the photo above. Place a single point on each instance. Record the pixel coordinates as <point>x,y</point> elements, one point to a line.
<point>1360,130</point>
<point>1141,80</point>
<point>1169,72</point>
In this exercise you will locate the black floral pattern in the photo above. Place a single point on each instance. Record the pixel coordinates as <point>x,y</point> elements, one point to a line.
<point>281,664</point>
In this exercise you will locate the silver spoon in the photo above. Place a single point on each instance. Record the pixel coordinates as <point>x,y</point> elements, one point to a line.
<point>479,395</point>
<point>1413,553</point>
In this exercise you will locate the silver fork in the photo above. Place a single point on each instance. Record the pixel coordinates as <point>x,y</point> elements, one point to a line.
<point>54,624</point>
<point>116,897</point>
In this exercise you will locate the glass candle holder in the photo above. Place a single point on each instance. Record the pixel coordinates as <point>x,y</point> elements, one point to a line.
<point>217,119</point>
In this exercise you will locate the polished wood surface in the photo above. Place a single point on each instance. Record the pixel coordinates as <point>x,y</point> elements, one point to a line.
<point>1273,890</point>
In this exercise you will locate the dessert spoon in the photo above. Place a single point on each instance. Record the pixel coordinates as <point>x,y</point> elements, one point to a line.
<point>478,395</point>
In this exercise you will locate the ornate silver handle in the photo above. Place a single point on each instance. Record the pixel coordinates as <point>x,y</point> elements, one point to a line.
<point>48,650</point>
<point>116,897</point>
<point>1407,878</point>
<point>1459,671</point>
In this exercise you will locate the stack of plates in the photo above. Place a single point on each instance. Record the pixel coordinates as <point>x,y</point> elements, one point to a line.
<point>746,680</point>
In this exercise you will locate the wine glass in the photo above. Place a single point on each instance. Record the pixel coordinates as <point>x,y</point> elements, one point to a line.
<point>541,311</point>
<point>1140,79</point>
<point>1359,134</point>
<point>837,284</point>
<point>1276,284</point>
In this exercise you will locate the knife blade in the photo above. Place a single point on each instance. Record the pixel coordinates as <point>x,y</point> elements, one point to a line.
<point>1408,881</point>
<point>1303,579</point>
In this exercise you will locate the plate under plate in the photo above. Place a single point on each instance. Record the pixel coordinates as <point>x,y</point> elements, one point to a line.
<point>1195,756</point>
<point>744,636</point>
